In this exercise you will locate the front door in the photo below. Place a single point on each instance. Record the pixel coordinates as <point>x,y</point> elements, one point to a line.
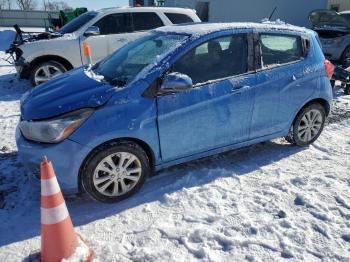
<point>217,111</point>
<point>111,26</point>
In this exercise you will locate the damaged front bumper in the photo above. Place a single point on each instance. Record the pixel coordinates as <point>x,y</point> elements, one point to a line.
<point>22,68</point>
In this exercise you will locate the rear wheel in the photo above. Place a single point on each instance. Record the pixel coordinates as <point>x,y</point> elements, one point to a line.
<point>46,71</point>
<point>345,58</point>
<point>347,89</point>
<point>115,171</point>
<point>307,125</point>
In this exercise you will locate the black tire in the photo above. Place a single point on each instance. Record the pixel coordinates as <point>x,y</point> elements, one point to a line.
<point>332,83</point>
<point>50,63</point>
<point>88,171</point>
<point>345,58</point>
<point>347,89</point>
<point>293,136</point>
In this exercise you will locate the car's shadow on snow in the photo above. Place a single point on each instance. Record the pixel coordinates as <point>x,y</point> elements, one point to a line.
<point>193,174</point>
<point>12,88</point>
<point>83,210</point>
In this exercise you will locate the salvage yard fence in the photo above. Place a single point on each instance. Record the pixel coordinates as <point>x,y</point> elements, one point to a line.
<point>26,18</point>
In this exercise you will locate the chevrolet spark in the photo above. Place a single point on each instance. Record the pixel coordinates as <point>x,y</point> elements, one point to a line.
<point>177,94</point>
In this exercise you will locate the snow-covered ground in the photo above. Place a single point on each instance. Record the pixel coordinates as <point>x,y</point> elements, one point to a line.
<point>267,202</point>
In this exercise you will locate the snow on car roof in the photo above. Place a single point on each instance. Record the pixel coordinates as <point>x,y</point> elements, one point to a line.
<point>206,28</point>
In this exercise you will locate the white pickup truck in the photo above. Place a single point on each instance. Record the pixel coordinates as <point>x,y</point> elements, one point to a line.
<point>45,56</point>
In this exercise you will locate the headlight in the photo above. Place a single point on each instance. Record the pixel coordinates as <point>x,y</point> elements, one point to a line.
<point>56,129</point>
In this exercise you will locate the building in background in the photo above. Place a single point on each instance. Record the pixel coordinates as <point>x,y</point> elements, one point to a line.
<point>293,12</point>
<point>339,5</point>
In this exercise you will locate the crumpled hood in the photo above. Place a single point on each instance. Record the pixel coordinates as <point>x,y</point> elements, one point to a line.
<point>71,91</point>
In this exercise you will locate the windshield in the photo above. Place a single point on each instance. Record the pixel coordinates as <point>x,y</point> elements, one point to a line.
<point>77,22</point>
<point>122,66</point>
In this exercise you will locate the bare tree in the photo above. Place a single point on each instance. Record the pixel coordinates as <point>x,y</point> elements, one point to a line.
<point>5,4</point>
<point>56,5</point>
<point>26,4</point>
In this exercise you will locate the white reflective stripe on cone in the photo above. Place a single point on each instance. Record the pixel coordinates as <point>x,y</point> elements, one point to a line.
<point>54,215</point>
<point>49,186</point>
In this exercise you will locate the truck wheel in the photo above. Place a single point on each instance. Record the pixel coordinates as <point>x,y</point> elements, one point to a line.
<point>45,71</point>
<point>347,89</point>
<point>307,125</point>
<point>345,58</point>
<point>115,171</point>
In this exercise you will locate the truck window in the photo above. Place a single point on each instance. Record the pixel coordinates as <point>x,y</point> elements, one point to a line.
<point>146,21</point>
<point>176,18</point>
<point>115,24</point>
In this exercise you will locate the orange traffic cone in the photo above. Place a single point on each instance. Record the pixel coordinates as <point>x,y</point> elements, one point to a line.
<point>58,238</point>
<point>87,52</point>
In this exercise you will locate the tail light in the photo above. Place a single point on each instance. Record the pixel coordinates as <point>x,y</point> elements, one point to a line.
<point>329,67</point>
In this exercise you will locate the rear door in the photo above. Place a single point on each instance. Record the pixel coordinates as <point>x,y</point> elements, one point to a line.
<point>280,82</point>
<point>217,111</point>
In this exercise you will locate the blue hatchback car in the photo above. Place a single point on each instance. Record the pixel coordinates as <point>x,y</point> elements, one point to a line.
<point>177,94</point>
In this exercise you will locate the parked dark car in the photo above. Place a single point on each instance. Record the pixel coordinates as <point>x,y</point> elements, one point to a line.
<point>334,32</point>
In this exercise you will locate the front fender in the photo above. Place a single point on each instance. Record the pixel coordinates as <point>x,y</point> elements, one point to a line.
<point>67,49</point>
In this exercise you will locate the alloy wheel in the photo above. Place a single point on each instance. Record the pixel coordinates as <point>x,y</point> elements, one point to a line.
<point>310,125</point>
<point>46,73</point>
<point>117,174</point>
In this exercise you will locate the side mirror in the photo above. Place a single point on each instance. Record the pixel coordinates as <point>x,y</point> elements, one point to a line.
<point>176,82</point>
<point>91,31</point>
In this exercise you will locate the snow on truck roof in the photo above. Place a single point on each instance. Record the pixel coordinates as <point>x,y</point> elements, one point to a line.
<point>146,9</point>
<point>206,28</point>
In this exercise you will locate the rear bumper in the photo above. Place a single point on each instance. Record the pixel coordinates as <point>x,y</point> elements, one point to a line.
<point>66,158</point>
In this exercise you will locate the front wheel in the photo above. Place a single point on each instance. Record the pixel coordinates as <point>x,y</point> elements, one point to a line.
<point>307,125</point>
<point>115,171</point>
<point>46,71</point>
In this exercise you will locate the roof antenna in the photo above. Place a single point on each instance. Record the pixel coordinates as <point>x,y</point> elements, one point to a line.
<point>273,11</point>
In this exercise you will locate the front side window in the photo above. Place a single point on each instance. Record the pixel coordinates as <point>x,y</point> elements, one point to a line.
<point>176,18</point>
<point>115,24</point>
<point>122,66</point>
<point>146,21</point>
<point>215,59</point>
<point>280,49</point>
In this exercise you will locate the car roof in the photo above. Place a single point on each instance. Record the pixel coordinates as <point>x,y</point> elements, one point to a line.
<point>206,28</point>
<point>145,9</point>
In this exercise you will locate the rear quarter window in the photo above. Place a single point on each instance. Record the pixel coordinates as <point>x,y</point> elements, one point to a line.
<point>146,21</point>
<point>176,18</point>
<point>280,49</point>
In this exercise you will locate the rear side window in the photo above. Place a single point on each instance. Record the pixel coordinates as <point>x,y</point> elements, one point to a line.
<point>215,59</point>
<point>176,18</point>
<point>115,24</point>
<point>146,21</point>
<point>280,49</point>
